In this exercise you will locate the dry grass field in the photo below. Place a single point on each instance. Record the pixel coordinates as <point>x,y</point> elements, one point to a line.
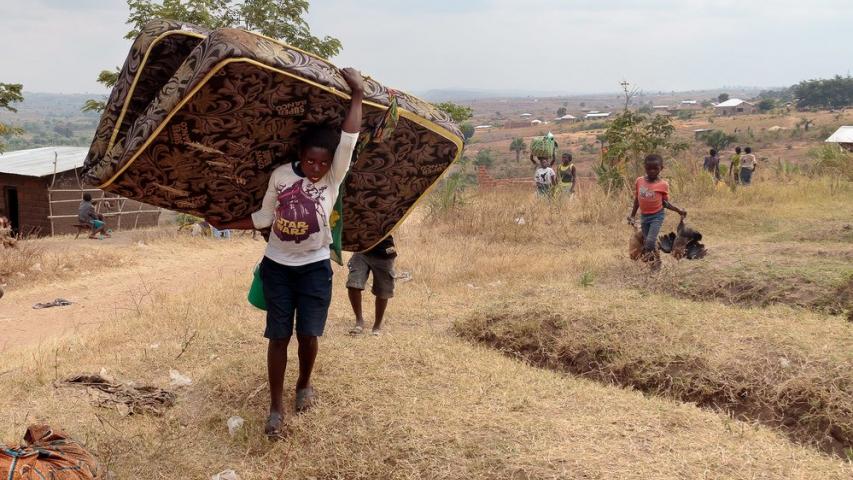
<point>680,374</point>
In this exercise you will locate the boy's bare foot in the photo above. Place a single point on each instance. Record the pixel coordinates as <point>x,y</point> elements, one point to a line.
<point>304,399</point>
<point>376,332</point>
<point>274,423</point>
<point>357,329</point>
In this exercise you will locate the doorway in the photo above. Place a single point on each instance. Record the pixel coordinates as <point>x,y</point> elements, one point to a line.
<point>10,195</point>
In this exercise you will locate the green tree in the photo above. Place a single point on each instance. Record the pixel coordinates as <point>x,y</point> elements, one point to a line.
<point>279,19</point>
<point>518,146</point>
<point>9,93</point>
<point>467,131</point>
<point>834,92</point>
<point>561,111</point>
<point>646,109</point>
<point>484,157</point>
<point>722,97</point>
<point>718,140</point>
<point>458,113</point>
<point>766,104</point>
<point>630,137</point>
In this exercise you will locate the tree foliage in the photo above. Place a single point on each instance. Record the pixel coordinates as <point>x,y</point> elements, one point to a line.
<point>484,157</point>
<point>629,138</point>
<point>766,104</point>
<point>279,19</point>
<point>458,113</point>
<point>518,146</point>
<point>561,111</point>
<point>836,92</point>
<point>467,131</point>
<point>722,97</point>
<point>717,139</point>
<point>9,93</point>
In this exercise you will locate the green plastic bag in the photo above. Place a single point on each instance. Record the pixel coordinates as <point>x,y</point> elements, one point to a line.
<point>256,291</point>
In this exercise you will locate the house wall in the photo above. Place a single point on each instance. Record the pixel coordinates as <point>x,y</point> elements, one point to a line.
<point>743,109</point>
<point>32,203</point>
<point>34,207</point>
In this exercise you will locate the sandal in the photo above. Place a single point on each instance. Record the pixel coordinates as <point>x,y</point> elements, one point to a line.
<point>356,330</point>
<point>273,428</point>
<point>304,399</point>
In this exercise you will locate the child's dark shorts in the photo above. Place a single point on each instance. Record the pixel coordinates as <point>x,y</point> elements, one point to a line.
<point>361,265</point>
<point>304,291</point>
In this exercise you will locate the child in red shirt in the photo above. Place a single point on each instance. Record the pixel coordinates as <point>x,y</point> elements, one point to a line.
<point>651,197</point>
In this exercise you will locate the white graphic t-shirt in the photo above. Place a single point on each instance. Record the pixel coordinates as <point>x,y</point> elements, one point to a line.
<point>298,209</point>
<point>544,176</point>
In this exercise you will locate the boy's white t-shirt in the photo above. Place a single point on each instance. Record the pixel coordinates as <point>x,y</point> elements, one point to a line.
<point>298,209</point>
<point>544,176</point>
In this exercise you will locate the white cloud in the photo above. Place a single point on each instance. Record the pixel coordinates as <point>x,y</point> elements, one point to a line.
<point>567,46</point>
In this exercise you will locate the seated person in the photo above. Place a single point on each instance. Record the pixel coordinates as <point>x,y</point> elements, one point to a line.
<point>87,216</point>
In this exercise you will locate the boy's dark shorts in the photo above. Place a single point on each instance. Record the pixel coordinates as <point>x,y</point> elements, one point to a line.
<point>361,265</point>
<point>305,291</point>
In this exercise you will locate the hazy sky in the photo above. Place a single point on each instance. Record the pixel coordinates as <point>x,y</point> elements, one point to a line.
<point>569,46</point>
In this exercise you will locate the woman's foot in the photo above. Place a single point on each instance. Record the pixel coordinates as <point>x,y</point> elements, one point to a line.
<point>356,330</point>
<point>376,332</point>
<point>273,429</point>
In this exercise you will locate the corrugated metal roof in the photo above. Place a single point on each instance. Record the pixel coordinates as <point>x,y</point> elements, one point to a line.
<point>38,162</point>
<point>842,135</point>
<point>732,102</point>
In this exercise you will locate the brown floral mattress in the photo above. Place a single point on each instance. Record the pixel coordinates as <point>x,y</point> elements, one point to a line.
<point>199,119</point>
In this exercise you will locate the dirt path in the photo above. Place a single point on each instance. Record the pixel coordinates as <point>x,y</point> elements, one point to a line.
<point>104,295</point>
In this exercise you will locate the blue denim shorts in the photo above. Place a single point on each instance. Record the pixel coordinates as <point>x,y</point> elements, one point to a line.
<point>303,292</point>
<point>651,224</point>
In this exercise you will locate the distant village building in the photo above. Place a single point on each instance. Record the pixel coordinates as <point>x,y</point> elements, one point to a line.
<point>734,106</point>
<point>535,122</point>
<point>482,127</point>
<point>689,105</point>
<point>566,118</point>
<point>41,194</point>
<point>526,115</point>
<point>597,115</point>
<point>843,137</point>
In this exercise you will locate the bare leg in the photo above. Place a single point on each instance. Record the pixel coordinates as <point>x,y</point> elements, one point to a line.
<point>355,300</point>
<point>381,304</point>
<point>276,366</point>
<point>308,347</point>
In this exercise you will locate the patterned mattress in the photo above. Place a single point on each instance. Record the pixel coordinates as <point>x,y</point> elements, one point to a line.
<point>199,119</point>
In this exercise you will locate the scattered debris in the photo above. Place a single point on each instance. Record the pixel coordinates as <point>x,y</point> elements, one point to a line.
<point>520,221</point>
<point>179,379</point>
<point>226,475</point>
<point>403,277</point>
<point>128,399</point>
<point>234,423</point>
<point>59,302</point>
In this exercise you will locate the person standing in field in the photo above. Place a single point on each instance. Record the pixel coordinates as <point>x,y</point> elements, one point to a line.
<point>712,164</point>
<point>296,271</point>
<point>545,178</point>
<point>379,261</point>
<point>748,163</point>
<point>566,174</point>
<point>734,166</point>
<point>651,197</point>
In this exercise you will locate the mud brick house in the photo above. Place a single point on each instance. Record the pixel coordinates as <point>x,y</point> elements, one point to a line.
<point>843,137</point>
<point>734,106</point>
<point>41,193</point>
